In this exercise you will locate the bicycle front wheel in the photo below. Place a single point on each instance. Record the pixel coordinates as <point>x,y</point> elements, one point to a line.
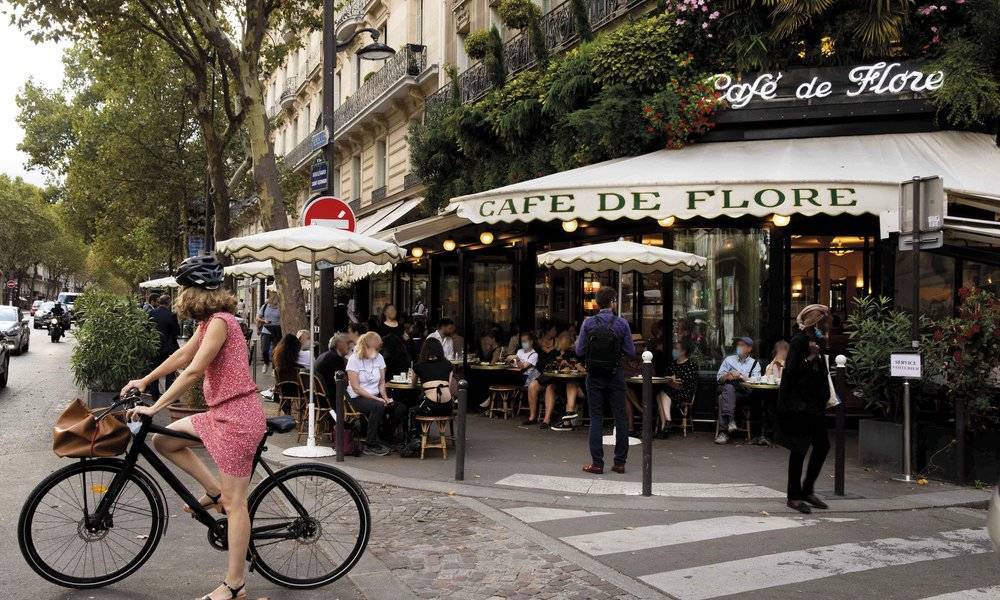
<point>63,545</point>
<point>311,524</point>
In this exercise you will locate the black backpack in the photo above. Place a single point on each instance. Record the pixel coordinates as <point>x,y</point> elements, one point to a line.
<point>604,349</point>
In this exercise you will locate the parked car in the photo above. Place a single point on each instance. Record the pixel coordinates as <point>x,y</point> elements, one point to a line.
<point>35,305</point>
<point>14,328</point>
<point>42,315</point>
<point>4,363</point>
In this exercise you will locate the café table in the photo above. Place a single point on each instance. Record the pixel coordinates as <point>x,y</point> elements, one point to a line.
<point>483,375</point>
<point>764,397</point>
<point>409,391</point>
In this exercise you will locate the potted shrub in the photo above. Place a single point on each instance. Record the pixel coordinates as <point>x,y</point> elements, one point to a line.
<point>194,402</point>
<point>477,44</point>
<point>875,330</point>
<point>115,343</point>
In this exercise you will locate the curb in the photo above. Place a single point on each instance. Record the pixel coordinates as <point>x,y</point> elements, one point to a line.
<point>962,498</point>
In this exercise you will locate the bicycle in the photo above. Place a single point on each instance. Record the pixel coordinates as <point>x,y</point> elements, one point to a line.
<point>312,530</point>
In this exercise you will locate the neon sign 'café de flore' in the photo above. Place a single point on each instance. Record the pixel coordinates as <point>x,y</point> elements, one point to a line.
<point>793,198</point>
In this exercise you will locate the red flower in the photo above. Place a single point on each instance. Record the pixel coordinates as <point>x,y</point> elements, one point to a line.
<point>964,292</point>
<point>938,335</point>
<point>957,356</point>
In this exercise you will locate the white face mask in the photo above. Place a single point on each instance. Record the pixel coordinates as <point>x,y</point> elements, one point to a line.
<point>526,345</point>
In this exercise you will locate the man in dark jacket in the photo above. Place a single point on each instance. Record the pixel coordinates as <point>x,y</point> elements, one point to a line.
<point>605,339</point>
<point>165,322</point>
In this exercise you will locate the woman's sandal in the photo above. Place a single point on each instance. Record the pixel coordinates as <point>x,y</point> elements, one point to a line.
<point>234,593</point>
<point>213,504</point>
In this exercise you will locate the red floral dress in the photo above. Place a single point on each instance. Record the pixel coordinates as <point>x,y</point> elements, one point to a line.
<point>235,422</point>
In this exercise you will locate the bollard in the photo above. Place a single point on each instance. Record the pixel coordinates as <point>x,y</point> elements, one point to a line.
<point>839,435</point>
<point>960,440</point>
<point>338,406</point>
<point>463,393</point>
<point>907,475</point>
<point>647,423</point>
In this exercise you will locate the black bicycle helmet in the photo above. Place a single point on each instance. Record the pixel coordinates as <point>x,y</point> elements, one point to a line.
<point>200,271</point>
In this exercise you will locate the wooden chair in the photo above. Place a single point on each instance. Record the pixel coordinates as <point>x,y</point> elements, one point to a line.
<point>425,428</point>
<point>502,399</point>
<point>321,399</point>
<point>291,401</point>
<point>685,410</point>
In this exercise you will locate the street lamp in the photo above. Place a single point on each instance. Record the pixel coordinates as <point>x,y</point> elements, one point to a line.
<point>331,46</point>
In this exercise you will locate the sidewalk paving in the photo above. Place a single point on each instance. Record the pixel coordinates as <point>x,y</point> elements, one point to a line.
<point>692,473</point>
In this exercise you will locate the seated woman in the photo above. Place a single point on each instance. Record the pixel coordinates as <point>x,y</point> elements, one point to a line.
<point>541,359</point>
<point>489,347</point>
<point>433,371</point>
<point>682,381</point>
<point>571,389</point>
<point>777,364</point>
<point>305,348</point>
<point>286,369</point>
<point>366,387</point>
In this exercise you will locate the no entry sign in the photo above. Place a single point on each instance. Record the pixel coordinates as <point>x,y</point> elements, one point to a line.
<point>11,284</point>
<point>329,212</point>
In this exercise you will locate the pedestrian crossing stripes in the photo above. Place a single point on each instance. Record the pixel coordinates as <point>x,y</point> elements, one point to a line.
<point>539,514</point>
<point>598,486</point>
<point>656,536</point>
<point>784,568</point>
<point>985,593</point>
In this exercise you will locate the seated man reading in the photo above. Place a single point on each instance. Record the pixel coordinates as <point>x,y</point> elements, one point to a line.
<point>734,369</point>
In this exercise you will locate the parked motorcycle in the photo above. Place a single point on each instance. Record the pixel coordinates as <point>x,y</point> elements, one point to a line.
<point>55,329</point>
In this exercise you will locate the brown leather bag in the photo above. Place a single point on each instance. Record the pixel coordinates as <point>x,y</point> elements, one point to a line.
<point>78,434</point>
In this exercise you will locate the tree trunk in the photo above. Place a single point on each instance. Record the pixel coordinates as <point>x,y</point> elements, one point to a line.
<point>215,153</point>
<point>268,187</point>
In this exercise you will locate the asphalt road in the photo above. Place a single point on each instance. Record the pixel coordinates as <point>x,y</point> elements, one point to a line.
<point>183,566</point>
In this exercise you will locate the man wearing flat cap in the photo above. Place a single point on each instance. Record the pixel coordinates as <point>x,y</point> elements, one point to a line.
<point>734,369</point>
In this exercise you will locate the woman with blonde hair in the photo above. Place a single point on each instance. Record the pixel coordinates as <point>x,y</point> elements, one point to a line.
<point>366,386</point>
<point>234,424</point>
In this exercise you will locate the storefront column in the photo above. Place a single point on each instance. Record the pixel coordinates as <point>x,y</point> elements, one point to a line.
<point>526,269</point>
<point>667,298</point>
<point>884,284</point>
<point>775,299</point>
<point>433,293</point>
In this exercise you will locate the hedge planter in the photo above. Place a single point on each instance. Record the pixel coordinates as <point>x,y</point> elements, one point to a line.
<point>880,445</point>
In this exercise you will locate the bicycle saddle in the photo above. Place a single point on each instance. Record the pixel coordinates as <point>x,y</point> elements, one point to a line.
<point>282,424</point>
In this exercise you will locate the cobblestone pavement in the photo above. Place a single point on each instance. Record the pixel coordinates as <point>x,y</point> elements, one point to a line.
<point>441,549</point>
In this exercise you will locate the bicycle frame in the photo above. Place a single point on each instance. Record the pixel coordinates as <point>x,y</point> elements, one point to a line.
<point>101,515</point>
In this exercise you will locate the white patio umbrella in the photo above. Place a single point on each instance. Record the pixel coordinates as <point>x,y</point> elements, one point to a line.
<point>623,256</point>
<point>260,269</point>
<point>162,282</point>
<point>309,244</point>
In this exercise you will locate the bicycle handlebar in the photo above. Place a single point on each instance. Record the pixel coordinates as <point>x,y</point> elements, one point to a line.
<point>129,400</point>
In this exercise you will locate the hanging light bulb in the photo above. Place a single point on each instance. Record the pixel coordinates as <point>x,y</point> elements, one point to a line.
<point>666,222</point>
<point>448,245</point>
<point>486,237</point>
<point>781,220</point>
<point>417,252</point>
<point>570,226</point>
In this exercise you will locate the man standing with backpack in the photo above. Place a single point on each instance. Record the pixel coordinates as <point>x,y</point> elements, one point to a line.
<point>605,339</point>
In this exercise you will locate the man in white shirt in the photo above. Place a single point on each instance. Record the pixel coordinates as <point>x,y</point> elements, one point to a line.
<point>445,333</point>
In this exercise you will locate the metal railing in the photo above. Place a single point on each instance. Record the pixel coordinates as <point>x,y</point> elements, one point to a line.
<point>410,61</point>
<point>349,11</point>
<point>378,194</point>
<point>289,90</point>
<point>559,29</point>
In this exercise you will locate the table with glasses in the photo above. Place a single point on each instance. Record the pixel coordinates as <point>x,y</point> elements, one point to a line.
<point>407,392</point>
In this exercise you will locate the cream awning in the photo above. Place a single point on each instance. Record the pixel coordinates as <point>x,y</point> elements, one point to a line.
<point>973,232</point>
<point>386,216</point>
<point>810,176</point>
<point>431,227</point>
<point>162,282</point>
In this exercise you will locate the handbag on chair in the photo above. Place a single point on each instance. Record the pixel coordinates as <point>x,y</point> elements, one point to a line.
<point>79,434</point>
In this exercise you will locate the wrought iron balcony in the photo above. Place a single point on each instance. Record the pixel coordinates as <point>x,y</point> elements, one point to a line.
<point>305,149</point>
<point>349,15</point>
<point>559,29</point>
<point>288,91</point>
<point>408,62</point>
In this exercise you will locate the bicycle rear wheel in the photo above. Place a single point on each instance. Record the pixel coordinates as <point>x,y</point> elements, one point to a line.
<point>58,544</point>
<point>321,544</point>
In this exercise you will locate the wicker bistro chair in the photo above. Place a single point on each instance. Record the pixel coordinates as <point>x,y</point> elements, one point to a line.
<point>323,401</point>
<point>290,399</point>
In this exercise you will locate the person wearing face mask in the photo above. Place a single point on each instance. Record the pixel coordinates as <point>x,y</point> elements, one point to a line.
<point>682,381</point>
<point>734,369</point>
<point>802,403</point>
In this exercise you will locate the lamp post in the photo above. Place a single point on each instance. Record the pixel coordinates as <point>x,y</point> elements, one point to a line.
<point>373,51</point>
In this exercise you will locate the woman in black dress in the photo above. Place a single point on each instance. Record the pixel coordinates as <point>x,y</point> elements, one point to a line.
<point>389,324</point>
<point>802,399</point>
<point>682,384</point>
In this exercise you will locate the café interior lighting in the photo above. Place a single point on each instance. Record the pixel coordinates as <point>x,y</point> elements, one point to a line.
<point>448,245</point>
<point>486,237</point>
<point>781,220</point>
<point>570,226</point>
<point>666,222</point>
<point>417,252</point>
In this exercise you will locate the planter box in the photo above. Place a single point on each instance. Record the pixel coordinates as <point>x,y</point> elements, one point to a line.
<point>936,454</point>
<point>880,445</point>
<point>100,399</point>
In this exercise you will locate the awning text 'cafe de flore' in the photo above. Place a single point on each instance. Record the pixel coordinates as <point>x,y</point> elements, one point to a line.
<point>793,199</point>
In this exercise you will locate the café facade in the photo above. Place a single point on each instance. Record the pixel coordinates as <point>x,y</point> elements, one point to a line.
<point>794,198</point>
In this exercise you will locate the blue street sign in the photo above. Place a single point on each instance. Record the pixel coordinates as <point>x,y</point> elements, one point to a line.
<point>195,245</point>
<point>318,139</point>
<point>320,176</point>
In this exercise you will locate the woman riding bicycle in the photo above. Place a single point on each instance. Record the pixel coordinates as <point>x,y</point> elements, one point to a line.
<point>235,423</point>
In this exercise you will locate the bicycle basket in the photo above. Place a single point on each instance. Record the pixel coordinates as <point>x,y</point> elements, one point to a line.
<point>78,434</point>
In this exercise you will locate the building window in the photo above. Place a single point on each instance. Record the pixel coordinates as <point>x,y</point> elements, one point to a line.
<point>462,59</point>
<point>336,182</point>
<point>420,21</point>
<point>307,121</point>
<point>357,72</point>
<point>295,131</point>
<point>381,159</point>
<point>337,92</point>
<point>384,33</point>
<point>937,283</point>
<point>356,177</point>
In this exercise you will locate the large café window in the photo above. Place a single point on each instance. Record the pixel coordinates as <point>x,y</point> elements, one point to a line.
<point>723,301</point>
<point>492,294</point>
<point>381,292</point>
